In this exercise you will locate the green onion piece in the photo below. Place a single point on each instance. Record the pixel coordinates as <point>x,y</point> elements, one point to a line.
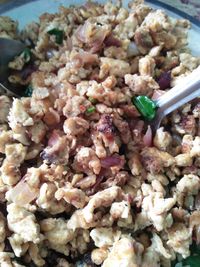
<point>145,106</point>
<point>29,90</point>
<point>90,110</point>
<point>26,54</point>
<point>59,34</point>
<point>92,100</point>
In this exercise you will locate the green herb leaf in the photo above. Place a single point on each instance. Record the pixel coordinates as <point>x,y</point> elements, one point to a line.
<point>145,106</point>
<point>26,54</point>
<point>59,34</point>
<point>29,90</point>
<point>90,110</point>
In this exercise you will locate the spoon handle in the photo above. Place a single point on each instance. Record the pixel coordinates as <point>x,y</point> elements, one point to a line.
<point>182,93</point>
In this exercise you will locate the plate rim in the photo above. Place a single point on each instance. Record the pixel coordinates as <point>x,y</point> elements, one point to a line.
<point>8,6</point>
<point>177,11</point>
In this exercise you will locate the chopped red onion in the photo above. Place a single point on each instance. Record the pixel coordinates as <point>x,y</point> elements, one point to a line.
<point>22,193</point>
<point>105,125</point>
<point>80,33</point>
<point>96,48</point>
<point>111,40</point>
<point>96,45</point>
<point>147,138</point>
<point>53,138</point>
<point>110,161</point>
<point>95,42</point>
<point>164,80</point>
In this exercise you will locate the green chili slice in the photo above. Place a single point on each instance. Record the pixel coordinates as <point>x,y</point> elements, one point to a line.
<point>145,106</point>
<point>59,34</point>
<point>90,110</point>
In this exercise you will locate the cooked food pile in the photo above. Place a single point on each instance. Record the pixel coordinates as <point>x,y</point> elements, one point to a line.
<point>83,182</point>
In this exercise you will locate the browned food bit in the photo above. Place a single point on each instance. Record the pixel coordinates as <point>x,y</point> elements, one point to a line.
<point>83,182</point>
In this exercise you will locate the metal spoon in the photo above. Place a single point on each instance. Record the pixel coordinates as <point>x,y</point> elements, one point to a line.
<point>182,93</point>
<point>8,50</point>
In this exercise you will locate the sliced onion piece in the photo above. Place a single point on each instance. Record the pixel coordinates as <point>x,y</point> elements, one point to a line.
<point>164,80</point>
<point>54,138</point>
<point>147,138</point>
<point>23,194</point>
<point>81,32</point>
<point>111,40</point>
<point>110,161</point>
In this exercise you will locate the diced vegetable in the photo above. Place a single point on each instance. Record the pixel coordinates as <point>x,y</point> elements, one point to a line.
<point>147,138</point>
<point>111,40</point>
<point>22,193</point>
<point>145,106</point>
<point>59,34</point>
<point>110,161</point>
<point>90,109</point>
<point>164,80</point>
